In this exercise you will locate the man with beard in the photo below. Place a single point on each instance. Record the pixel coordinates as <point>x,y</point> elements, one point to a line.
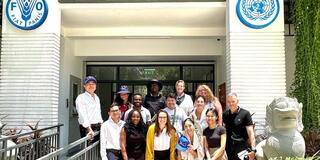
<point>154,101</point>
<point>137,105</point>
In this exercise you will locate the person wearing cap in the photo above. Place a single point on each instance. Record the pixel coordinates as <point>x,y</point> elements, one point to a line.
<point>89,109</point>
<point>184,100</point>
<point>239,126</point>
<point>190,143</point>
<point>123,100</point>
<point>154,101</point>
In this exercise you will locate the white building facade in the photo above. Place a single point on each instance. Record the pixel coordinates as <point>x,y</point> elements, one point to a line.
<point>43,61</point>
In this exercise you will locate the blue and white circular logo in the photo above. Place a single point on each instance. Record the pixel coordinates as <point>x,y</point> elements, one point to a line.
<point>257,14</point>
<point>27,14</point>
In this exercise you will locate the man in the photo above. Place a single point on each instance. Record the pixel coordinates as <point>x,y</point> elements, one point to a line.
<point>137,101</point>
<point>184,101</point>
<point>110,135</point>
<point>88,108</point>
<point>239,126</point>
<point>154,101</point>
<point>176,114</point>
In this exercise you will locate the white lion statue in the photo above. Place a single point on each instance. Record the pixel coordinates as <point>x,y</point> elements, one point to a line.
<point>284,124</point>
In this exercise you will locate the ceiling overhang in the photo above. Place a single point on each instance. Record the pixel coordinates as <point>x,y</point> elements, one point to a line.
<point>133,20</point>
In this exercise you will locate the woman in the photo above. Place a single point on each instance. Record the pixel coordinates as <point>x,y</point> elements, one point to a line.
<point>214,137</point>
<point>133,137</point>
<point>123,100</point>
<point>161,139</point>
<point>198,115</point>
<point>195,147</point>
<point>210,100</point>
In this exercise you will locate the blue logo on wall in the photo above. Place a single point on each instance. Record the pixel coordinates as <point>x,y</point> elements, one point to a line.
<point>257,14</point>
<point>26,14</point>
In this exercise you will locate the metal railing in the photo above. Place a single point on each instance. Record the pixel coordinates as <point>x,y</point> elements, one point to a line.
<point>30,147</point>
<point>87,151</point>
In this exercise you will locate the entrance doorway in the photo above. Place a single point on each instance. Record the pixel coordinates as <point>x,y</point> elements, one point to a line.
<point>110,77</point>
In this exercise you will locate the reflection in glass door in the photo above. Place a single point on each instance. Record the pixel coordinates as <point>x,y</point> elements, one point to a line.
<point>110,77</point>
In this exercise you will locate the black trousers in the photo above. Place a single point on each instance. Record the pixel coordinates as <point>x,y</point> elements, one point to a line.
<point>94,127</point>
<point>234,147</point>
<point>162,155</point>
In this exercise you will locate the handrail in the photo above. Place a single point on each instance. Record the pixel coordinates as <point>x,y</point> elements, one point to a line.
<point>26,143</point>
<point>66,148</point>
<point>23,134</point>
<point>84,150</point>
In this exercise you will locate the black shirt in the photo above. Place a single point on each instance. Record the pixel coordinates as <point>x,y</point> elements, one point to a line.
<point>136,144</point>
<point>213,136</point>
<point>236,124</point>
<point>154,103</point>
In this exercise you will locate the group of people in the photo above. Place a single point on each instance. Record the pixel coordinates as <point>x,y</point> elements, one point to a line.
<point>166,128</point>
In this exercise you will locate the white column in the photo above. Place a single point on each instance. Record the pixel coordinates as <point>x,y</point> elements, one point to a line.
<point>29,70</point>
<point>255,58</point>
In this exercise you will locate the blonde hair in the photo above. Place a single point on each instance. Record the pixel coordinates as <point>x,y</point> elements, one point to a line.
<point>209,97</point>
<point>180,81</point>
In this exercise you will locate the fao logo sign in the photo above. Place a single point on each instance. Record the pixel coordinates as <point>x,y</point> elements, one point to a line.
<point>27,14</point>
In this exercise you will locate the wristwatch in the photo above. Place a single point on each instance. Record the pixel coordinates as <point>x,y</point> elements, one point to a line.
<point>254,150</point>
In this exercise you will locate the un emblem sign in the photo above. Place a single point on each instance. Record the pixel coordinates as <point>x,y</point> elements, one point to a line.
<point>26,14</point>
<point>257,14</point>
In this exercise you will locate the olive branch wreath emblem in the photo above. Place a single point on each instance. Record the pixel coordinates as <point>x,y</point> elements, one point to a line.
<point>251,16</point>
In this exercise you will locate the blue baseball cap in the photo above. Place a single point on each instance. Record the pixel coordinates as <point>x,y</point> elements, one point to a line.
<point>123,89</point>
<point>183,144</point>
<point>88,79</point>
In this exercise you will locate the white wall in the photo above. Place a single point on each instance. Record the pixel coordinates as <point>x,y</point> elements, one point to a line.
<point>69,65</point>
<point>255,62</point>
<point>290,61</point>
<point>29,71</point>
<point>149,47</point>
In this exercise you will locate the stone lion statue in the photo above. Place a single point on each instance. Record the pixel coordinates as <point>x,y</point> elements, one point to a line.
<point>283,125</point>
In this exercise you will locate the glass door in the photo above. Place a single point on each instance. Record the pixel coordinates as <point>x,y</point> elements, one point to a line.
<point>110,77</point>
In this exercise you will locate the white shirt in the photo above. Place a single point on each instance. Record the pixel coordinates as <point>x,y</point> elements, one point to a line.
<point>146,116</point>
<point>209,105</point>
<point>187,104</point>
<point>200,123</point>
<point>110,136</point>
<point>180,117</point>
<point>89,109</point>
<point>162,142</point>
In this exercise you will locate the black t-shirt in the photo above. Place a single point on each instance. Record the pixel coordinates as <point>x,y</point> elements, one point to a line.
<point>213,136</point>
<point>236,124</point>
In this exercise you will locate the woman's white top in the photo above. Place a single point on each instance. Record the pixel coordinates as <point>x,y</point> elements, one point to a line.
<point>162,141</point>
